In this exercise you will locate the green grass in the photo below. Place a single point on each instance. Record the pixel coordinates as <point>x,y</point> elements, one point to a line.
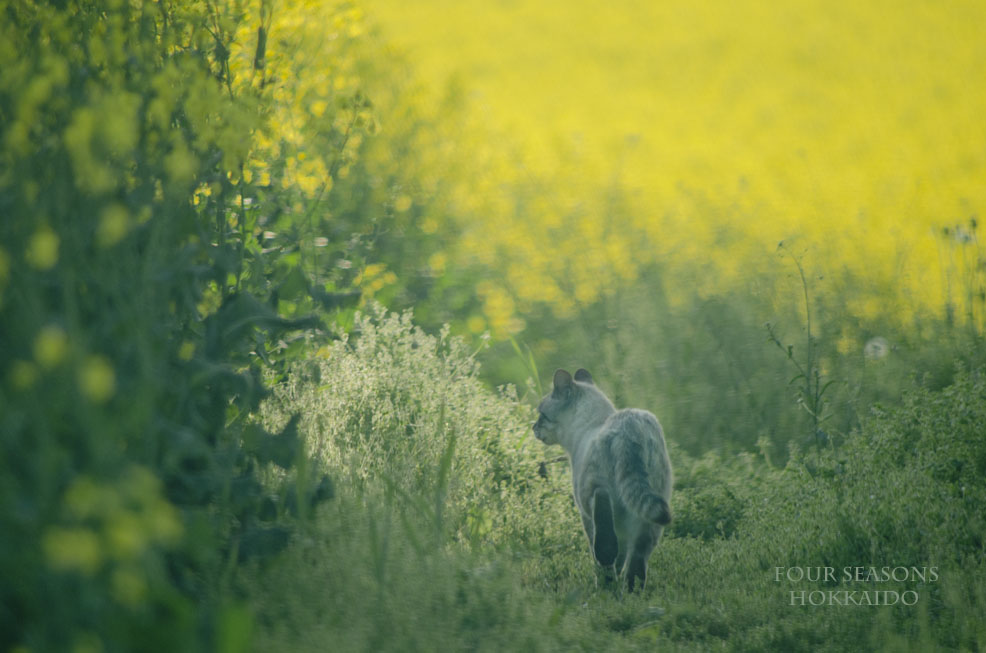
<point>373,570</point>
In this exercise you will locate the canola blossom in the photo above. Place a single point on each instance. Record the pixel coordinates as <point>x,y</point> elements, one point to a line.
<point>702,134</point>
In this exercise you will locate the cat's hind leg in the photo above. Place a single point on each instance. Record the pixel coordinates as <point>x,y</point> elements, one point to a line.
<point>635,569</point>
<point>605,546</point>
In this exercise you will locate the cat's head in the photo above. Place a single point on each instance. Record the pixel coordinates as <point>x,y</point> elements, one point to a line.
<point>572,404</point>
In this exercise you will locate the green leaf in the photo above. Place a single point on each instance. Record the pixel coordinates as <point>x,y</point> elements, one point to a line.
<point>263,541</point>
<point>239,315</point>
<point>244,493</point>
<point>294,286</point>
<point>281,449</point>
<point>234,632</point>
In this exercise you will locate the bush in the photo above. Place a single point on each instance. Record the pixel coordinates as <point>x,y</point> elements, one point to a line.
<point>903,491</point>
<point>392,408</point>
<point>441,507</point>
<point>161,170</point>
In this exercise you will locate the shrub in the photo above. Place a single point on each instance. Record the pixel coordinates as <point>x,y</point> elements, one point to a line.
<point>389,407</point>
<point>442,522</point>
<point>158,251</point>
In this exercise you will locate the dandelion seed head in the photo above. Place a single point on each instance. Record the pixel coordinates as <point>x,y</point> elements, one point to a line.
<point>876,348</point>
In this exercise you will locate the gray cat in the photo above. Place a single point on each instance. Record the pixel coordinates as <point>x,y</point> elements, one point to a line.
<point>621,473</point>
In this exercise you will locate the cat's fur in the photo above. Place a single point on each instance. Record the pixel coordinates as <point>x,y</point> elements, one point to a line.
<point>621,474</point>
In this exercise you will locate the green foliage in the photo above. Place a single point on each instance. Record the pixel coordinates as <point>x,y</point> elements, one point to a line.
<point>373,572</point>
<point>711,494</point>
<point>140,301</point>
<point>389,394</point>
<point>717,380</point>
<point>809,379</point>
<point>204,445</point>
<point>439,472</point>
<point>701,366</point>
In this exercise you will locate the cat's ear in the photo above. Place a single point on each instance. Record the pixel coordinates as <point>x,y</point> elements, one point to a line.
<point>562,381</point>
<point>583,376</point>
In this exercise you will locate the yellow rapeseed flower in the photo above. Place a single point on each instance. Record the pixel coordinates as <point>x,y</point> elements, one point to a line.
<point>97,379</point>
<point>72,549</point>
<point>42,249</point>
<point>402,203</point>
<point>768,133</point>
<point>128,584</point>
<point>186,351</point>
<point>50,346</point>
<point>113,225</point>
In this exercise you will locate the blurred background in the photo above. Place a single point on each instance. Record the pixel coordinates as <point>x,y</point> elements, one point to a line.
<point>658,191</point>
<point>281,282</point>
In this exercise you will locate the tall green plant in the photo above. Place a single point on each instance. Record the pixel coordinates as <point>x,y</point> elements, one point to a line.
<point>140,300</point>
<point>809,381</point>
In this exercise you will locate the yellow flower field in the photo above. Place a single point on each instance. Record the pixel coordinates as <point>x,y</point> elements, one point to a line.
<point>852,131</point>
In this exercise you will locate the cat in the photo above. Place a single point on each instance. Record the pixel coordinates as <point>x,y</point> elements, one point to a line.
<point>621,473</point>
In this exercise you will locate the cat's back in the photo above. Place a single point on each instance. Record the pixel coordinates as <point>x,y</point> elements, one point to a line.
<point>633,424</point>
<point>633,434</point>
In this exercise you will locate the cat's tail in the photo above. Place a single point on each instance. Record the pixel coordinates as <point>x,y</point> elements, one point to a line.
<point>634,487</point>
